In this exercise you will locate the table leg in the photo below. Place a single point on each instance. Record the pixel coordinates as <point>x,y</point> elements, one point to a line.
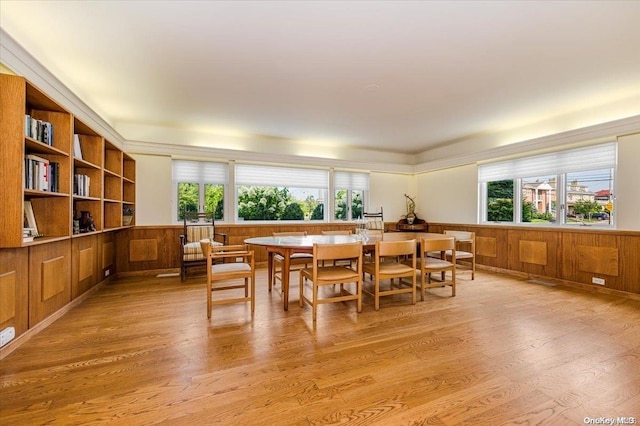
<point>270,266</point>
<point>286,269</point>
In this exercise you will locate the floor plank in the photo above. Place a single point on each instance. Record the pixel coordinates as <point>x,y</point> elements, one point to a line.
<point>503,351</point>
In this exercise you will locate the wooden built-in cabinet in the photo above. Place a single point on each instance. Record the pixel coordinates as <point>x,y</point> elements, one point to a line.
<point>39,277</point>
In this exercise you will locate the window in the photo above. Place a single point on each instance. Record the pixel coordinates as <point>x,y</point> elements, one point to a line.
<point>280,193</point>
<point>567,187</point>
<point>199,186</point>
<point>349,194</point>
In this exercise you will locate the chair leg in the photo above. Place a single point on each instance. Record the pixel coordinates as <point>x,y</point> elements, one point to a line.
<point>376,295</point>
<point>315,301</point>
<point>453,282</point>
<point>301,297</point>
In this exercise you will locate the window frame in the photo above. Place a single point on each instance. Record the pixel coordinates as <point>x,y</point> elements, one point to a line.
<point>200,173</point>
<point>554,165</point>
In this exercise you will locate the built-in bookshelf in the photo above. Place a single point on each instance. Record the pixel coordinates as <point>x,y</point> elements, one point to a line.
<point>55,171</point>
<point>87,178</point>
<point>60,166</point>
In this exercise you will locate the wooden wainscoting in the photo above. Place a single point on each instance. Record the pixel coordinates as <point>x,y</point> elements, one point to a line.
<point>14,297</point>
<point>569,256</point>
<point>564,255</point>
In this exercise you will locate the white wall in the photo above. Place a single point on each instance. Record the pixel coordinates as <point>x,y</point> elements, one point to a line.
<point>387,190</point>
<point>449,195</point>
<point>627,203</point>
<point>153,189</point>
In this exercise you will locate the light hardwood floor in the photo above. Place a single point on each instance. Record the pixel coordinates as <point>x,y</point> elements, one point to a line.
<point>504,350</point>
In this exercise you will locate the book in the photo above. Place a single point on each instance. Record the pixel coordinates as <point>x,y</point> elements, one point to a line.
<point>30,217</point>
<point>77,148</point>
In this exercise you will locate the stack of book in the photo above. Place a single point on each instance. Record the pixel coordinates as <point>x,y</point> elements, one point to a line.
<point>41,174</point>
<point>81,184</point>
<point>38,129</point>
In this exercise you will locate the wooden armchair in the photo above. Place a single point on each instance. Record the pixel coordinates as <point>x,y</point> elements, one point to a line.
<point>198,226</point>
<point>234,263</point>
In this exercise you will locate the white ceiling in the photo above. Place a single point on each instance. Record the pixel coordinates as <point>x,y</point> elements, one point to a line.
<point>397,76</point>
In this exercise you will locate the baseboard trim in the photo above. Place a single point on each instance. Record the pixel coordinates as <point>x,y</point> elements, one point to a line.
<point>572,284</point>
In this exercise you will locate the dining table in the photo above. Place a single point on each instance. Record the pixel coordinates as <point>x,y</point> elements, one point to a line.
<point>285,246</point>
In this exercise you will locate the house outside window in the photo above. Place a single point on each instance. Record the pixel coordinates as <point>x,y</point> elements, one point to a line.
<point>571,187</point>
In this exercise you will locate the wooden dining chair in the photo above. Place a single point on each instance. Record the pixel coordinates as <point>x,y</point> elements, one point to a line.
<point>465,248</point>
<point>296,259</point>
<point>427,264</point>
<point>464,240</point>
<point>322,276</point>
<point>386,267</point>
<point>225,264</point>
<point>337,232</point>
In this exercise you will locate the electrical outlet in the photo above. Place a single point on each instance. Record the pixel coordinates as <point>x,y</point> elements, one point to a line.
<point>7,335</point>
<point>106,272</point>
<point>596,280</point>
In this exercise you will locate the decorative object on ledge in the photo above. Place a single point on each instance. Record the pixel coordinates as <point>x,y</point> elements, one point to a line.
<point>410,217</point>
<point>86,222</point>
<point>418,225</point>
<point>127,215</point>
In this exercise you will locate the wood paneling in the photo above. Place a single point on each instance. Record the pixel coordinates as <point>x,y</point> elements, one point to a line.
<point>85,255</point>
<point>51,270</point>
<point>533,252</point>
<point>498,247</point>
<point>627,246</point>
<point>49,279</point>
<point>142,250</point>
<point>14,296</point>
<point>7,296</point>
<point>86,263</point>
<point>486,246</point>
<point>599,260</point>
<point>108,254</point>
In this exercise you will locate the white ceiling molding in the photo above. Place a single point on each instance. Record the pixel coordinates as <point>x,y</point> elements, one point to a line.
<point>196,152</point>
<point>587,135</point>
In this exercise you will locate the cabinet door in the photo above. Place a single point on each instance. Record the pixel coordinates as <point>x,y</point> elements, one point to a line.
<point>85,268</point>
<point>49,279</point>
<point>14,298</point>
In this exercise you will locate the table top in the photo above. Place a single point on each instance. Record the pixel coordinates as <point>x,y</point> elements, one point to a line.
<point>308,241</point>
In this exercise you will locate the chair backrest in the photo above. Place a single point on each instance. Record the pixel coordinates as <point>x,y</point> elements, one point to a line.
<point>427,245</point>
<point>461,235</point>
<point>236,250</point>
<point>374,221</point>
<point>290,234</point>
<point>197,233</point>
<point>337,251</point>
<point>465,240</point>
<point>395,248</point>
<point>342,232</point>
<point>198,226</point>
